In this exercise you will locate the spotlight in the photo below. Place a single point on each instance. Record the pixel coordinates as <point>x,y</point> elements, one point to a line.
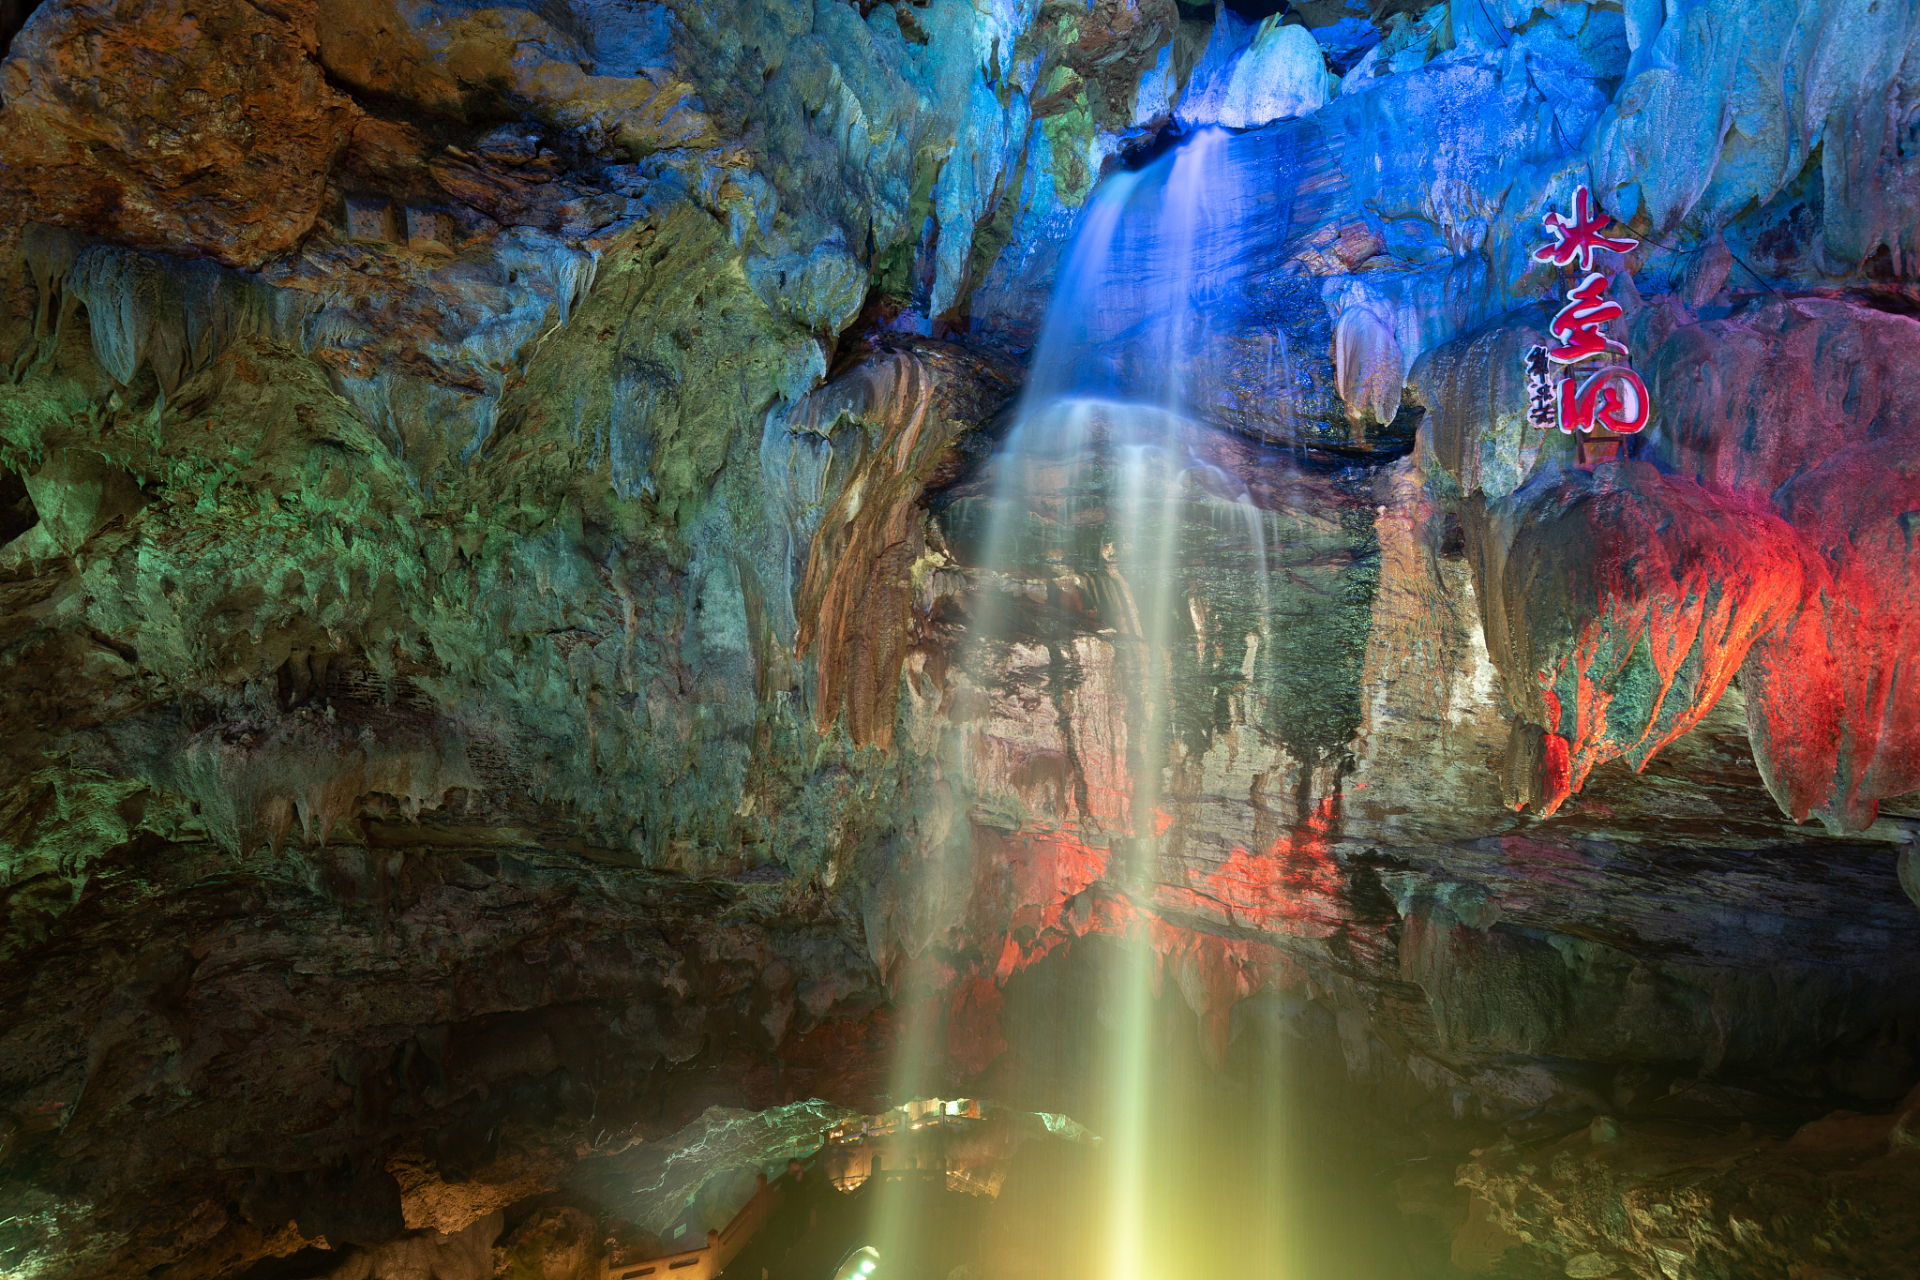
<point>858,1265</point>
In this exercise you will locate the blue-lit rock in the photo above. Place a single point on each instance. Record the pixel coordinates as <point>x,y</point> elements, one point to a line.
<point>492,508</point>
<point>1253,76</point>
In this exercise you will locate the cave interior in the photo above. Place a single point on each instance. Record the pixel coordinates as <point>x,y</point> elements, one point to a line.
<point>959,639</point>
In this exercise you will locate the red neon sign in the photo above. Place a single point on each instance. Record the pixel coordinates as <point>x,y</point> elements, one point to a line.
<point>1611,399</point>
<point>1579,238</point>
<point>1579,326</point>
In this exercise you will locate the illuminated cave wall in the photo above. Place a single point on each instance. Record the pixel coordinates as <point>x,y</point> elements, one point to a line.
<point>487,492</point>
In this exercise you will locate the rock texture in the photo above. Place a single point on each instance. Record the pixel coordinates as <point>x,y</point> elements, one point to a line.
<point>496,537</point>
<point>1654,1201</point>
<point>1827,713</point>
<point>242,1092</point>
<point>1761,534</point>
<point>146,123</point>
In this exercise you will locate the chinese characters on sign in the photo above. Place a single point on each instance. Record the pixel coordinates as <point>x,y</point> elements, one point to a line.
<point>1602,401</point>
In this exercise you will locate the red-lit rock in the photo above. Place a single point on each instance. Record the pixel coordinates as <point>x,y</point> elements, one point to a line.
<point>1619,603</point>
<point>1748,403</point>
<point>1832,702</point>
<point>1812,403</point>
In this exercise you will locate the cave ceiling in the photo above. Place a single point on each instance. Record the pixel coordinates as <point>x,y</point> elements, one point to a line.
<point>543,653</point>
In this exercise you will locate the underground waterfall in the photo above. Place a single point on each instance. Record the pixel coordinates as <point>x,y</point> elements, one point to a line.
<point>936,640</point>
<point>1112,506</point>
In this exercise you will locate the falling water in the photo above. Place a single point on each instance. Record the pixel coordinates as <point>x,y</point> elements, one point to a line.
<point>1110,480</point>
<point>1112,387</point>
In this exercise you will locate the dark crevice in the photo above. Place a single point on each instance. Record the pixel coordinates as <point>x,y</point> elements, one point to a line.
<point>1256,10</point>
<point>1891,301</point>
<point>302,1264</point>
<point>1139,154</point>
<point>13,16</point>
<point>17,514</point>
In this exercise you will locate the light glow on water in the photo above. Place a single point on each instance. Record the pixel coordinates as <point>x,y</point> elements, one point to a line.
<point>1110,475</point>
<point>859,1264</point>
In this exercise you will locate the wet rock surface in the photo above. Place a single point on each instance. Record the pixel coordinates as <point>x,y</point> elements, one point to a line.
<point>1646,1200</point>
<point>239,1071</point>
<point>493,509</point>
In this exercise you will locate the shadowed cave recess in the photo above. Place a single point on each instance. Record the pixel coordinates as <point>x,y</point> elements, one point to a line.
<point>958,639</point>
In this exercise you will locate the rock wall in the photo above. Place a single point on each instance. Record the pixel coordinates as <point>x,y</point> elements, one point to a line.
<point>491,520</point>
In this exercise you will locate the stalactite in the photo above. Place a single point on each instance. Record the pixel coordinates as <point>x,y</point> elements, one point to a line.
<point>175,316</point>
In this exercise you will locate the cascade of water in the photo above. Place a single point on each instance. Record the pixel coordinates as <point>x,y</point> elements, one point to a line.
<point>1109,482</point>
<point>1157,256</point>
<point>1187,233</point>
<point>1068,333</point>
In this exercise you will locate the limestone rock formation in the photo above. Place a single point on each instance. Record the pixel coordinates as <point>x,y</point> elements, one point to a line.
<point>1632,1200</point>
<point>516,709</point>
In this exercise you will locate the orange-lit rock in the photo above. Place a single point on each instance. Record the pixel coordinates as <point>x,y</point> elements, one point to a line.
<point>149,123</point>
